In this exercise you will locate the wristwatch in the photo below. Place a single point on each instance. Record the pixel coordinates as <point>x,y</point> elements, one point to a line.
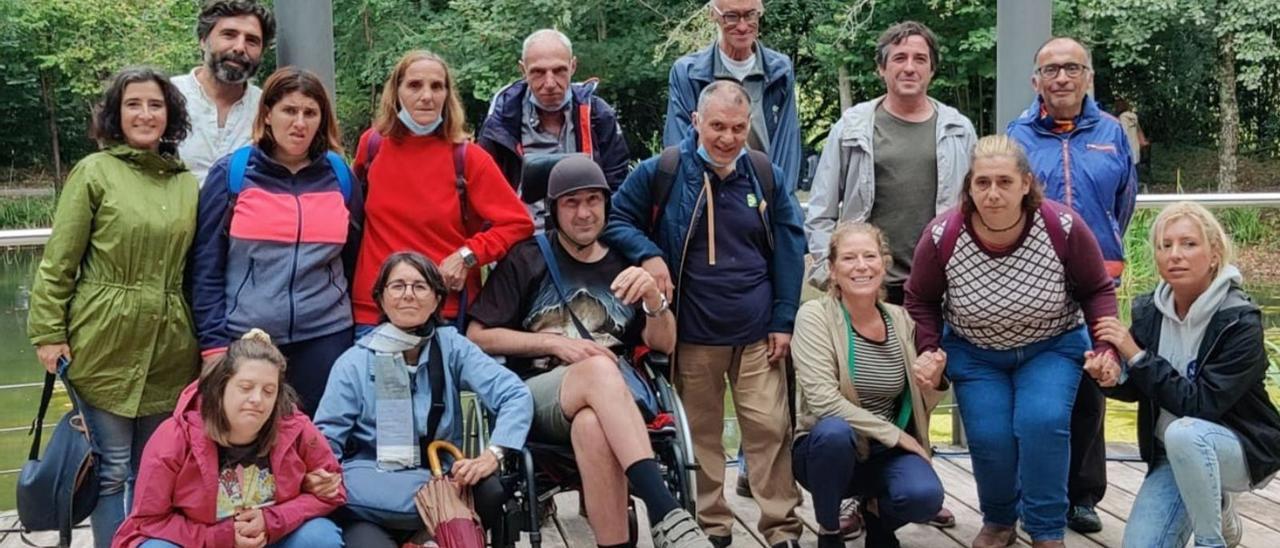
<point>468,258</point>
<point>661,307</point>
<point>497,451</point>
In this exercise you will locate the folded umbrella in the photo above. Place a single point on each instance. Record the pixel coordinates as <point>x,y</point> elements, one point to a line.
<point>446,507</point>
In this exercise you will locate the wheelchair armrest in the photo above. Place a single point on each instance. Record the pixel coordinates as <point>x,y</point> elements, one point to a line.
<point>658,362</point>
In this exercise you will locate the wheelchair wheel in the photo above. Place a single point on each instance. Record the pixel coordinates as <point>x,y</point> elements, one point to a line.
<point>679,453</point>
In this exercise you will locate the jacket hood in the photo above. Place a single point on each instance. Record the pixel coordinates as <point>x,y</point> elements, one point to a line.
<point>1089,113</point>
<point>147,159</point>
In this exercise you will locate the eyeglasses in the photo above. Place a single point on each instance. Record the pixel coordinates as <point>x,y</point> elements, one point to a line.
<point>732,17</point>
<point>1073,70</point>
<point>418,289</point>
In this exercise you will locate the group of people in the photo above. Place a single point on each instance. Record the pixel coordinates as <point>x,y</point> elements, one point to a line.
<point>265,337</point>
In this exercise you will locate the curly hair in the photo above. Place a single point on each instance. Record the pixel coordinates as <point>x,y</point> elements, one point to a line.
<point>107,127</point>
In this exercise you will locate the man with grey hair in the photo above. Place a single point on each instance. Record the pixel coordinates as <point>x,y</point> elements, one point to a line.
<point>544,113</point>
<point>221,101</point>
<point>767,75</point>
<point>1081,155</point>
<point>726,222</point>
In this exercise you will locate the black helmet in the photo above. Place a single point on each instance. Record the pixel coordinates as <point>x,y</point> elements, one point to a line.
<point>572,173</point>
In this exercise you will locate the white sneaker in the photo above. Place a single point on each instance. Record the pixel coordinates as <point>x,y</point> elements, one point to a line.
<point>1232,529</point>
<point>679,530</point>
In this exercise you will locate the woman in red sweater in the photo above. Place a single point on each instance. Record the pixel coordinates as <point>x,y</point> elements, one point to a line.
<point>429,189</point>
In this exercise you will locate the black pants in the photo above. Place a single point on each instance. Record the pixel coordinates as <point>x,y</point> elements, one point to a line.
<point>488,496</point>
<point>309,364</point>
<point>1087,480</point>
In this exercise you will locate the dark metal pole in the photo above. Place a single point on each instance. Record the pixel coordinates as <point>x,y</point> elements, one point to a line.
<point>1021,26</point>
<point>305,37</point>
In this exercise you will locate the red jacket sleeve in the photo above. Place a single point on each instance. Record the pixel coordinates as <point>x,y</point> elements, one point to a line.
<point>283,518</point>
<point>925,289</point>
<point>155,514</point>
<point>491,197</point>
<point>1086,270</point>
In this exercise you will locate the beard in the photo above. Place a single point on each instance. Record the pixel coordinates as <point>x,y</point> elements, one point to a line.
<point>225,72</point>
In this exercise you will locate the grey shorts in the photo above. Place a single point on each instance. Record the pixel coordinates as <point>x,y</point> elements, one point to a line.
<point>549,423</point>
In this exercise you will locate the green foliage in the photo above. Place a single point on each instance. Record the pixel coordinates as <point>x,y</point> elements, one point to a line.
<point>26,212</point>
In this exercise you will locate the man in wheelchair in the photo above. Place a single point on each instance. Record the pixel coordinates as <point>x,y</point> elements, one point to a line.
<point>566,326</point>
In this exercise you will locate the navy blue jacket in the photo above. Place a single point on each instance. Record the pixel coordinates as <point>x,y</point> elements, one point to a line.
<point>629,229</point>
<point>500,132</point>
<point>694,71</point>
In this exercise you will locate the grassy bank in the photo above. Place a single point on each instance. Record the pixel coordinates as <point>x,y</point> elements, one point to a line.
<point>26,212</point>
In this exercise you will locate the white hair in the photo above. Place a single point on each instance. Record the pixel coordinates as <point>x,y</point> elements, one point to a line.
<point>542,33</point>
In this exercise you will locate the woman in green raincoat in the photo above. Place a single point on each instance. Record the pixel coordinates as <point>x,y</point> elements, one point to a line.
<point>108,296</point>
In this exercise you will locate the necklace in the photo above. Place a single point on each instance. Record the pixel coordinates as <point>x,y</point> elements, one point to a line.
<point>1021,214</point>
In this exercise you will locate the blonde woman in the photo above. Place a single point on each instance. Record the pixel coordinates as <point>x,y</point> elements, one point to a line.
<point>1195,365</point>
<point>864,421</point>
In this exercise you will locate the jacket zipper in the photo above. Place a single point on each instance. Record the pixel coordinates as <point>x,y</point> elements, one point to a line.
<point>684,252</point>
<point>1066,170</point>
<point>293,273</point>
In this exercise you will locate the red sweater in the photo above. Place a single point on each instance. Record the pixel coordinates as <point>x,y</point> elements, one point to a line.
<point>413,205</point>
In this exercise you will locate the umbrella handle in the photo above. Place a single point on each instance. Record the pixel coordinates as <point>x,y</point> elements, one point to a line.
<point>433,455</point>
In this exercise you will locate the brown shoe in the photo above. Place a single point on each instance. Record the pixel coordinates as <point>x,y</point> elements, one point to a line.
<point>995,536</point>
<point>1048,544</point>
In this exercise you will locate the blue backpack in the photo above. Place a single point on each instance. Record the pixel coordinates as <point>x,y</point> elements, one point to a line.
<point>240,162</point>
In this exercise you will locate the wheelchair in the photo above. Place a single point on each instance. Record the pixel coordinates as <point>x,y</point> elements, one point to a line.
<point>539,471</point>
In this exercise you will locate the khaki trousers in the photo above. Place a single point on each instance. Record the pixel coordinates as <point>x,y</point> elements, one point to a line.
<point>760,400</point>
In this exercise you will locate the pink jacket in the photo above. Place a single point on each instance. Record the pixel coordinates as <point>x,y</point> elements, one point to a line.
<point>176,496</point>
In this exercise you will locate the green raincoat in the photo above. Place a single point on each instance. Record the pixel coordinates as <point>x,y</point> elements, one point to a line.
<point>111,281</point>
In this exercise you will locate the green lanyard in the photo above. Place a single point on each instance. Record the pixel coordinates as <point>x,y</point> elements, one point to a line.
<point>904,403</point>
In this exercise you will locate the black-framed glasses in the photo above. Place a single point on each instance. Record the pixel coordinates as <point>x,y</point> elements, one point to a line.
<point>418,289</point>
<point>733,17</point>
<point>1073,70</point>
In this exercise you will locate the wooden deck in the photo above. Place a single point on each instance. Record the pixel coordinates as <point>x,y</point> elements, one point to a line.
<point>1260,511</point>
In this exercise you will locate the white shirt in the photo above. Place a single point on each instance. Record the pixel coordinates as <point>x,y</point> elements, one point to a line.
<point>206,143</point>
<point>739,69</point>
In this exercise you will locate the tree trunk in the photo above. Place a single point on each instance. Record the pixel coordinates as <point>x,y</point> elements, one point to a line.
<point>51,110</point>
<point>846,92</point>
<point>1228,114</point>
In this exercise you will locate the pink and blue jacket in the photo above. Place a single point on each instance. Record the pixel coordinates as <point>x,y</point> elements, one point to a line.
<point>278,255</point>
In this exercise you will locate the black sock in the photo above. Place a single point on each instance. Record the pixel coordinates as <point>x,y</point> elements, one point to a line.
<point>623,545</point>
<point>646,481</point>
<point>830,540</point>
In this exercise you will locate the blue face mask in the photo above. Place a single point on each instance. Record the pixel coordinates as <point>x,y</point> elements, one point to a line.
<point>533,100</point>
<point>414,127</point>
<point>706,157</point>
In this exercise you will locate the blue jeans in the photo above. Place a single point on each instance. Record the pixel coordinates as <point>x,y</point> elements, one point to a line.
<point>826,463</point>
<point>313,533</point>
<point>1183,491</point>
<point>1016,407</point>
<point>119,441</point>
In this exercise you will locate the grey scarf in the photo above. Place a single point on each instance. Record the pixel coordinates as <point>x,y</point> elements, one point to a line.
<point>397,444</point>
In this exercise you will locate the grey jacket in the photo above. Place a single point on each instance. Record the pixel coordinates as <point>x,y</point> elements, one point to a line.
<point>844,185</point>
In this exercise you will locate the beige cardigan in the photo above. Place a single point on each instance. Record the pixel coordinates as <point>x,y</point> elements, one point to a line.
<point>820,349</point>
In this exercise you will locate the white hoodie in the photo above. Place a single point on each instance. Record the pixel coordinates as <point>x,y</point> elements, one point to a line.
<point>1180,338</point>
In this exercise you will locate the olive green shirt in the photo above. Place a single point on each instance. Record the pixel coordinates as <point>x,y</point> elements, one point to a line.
<point>110,283</point>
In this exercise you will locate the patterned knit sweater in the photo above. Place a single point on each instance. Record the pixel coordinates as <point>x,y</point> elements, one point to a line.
<point>1010,298</point>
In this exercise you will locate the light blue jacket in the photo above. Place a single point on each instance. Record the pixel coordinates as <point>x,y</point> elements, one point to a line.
<point>346,415</point>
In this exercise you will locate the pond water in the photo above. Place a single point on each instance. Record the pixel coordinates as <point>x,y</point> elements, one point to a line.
<point>20,373</point>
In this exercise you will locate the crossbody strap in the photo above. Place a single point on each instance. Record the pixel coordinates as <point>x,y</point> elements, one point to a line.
<point>553,270</point>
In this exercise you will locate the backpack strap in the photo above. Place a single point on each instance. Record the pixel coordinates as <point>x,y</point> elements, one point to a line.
<point>235,171</point>
<point>460,180</point>
<point>764,172</point>
<point>950,233</point>
<point>435,375</point>
<point>660,184</point>
<point>339,167</point>
<point>1053,226</point>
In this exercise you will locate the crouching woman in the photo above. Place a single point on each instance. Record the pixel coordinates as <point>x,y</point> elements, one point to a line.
<point>237,464</point>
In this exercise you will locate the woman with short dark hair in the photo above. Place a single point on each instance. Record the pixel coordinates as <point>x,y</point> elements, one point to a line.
<point>107,302</point>
<point>379,411</point>
<point>278,230</point>
<point>237,464</point>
